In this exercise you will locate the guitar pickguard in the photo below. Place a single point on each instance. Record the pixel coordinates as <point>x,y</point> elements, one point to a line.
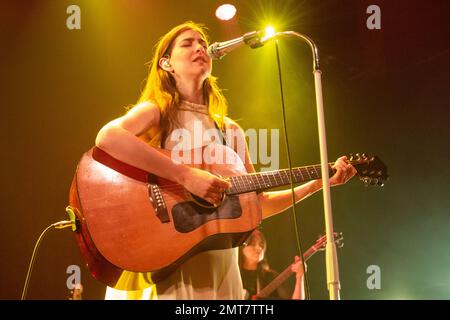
<point>188,216</point>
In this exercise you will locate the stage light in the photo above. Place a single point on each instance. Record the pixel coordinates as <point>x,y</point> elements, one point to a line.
<point>226,12</point>
<point>270,32</point>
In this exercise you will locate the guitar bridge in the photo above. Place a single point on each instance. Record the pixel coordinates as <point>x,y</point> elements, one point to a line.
<point>158,202</point>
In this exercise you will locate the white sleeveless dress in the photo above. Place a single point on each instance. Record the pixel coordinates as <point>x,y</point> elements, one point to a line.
<point>208,275</point>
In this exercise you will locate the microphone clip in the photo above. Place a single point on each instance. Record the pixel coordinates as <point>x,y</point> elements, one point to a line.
<point>253,39</point>
<point>218,50</point>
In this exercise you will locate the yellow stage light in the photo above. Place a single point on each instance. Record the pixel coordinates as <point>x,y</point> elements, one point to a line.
<point>270,32</point>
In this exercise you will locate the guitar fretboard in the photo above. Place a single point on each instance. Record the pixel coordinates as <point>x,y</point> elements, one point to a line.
<point>271,179</point>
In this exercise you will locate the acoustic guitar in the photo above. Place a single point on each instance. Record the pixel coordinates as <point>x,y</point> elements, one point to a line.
<point>130,220</point>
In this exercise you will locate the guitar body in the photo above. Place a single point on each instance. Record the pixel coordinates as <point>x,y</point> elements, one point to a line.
<point>129,220</point>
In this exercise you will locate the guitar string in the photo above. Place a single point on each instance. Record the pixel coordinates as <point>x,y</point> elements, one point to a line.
<point>247,182</point>
<point>301,171</point>
<point>260,179</point>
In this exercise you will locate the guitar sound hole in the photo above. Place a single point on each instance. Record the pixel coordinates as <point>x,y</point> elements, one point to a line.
<point>202,202</point>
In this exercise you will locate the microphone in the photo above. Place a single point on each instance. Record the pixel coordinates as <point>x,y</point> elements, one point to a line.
<point>218,50</point>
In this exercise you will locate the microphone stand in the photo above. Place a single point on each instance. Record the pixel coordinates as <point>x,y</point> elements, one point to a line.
<point>333,283</point>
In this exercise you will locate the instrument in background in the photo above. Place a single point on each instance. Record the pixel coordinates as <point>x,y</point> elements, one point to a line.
<point>319,245</point>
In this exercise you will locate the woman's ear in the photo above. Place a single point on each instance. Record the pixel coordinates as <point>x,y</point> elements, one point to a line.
<point>165,64</point>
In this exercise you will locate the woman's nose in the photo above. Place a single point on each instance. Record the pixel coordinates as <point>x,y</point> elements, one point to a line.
<point>200,48</point>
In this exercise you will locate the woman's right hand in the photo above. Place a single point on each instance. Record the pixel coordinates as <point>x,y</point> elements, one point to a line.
<point>205,185</point>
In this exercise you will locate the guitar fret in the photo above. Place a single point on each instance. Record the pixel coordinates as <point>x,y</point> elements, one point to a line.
<point>247,183</point>
<point>301,178</point>
<point>290,176</point>
<point>261,183</point>
<point>306,173</point>
<point>280,176</point>
<point>287,180</point>
<point>265,180</point>
<point>317,173</point>
<point>233,185</point>
<point>272,178</point>
<point>253,182</point>
<point>294,175</point>
<point>256,182</point>
<point>238,184</point>
<point>241,184</point>
<point>311,172</point>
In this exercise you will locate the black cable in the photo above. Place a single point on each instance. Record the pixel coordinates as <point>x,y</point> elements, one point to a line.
<point>294,211</point>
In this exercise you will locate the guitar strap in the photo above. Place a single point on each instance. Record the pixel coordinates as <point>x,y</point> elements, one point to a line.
<point>222,134</point>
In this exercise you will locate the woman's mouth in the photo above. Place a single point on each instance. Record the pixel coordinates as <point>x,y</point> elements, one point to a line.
<point>201,59</point>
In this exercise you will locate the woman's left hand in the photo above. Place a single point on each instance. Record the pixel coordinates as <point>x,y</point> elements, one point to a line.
<point>297,267</point>
<point>344,172</point>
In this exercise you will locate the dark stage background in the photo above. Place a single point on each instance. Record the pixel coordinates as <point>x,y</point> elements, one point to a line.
<point>386,92</point>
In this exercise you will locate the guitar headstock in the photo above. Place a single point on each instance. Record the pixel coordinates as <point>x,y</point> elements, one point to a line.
<point>371,170</point>
<point>321,243</point>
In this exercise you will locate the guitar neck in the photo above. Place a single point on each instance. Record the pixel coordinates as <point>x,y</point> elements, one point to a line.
<point>272,179</point>
<point>283,276</point>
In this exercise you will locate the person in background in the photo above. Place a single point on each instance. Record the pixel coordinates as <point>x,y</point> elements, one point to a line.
<point>257,274</point>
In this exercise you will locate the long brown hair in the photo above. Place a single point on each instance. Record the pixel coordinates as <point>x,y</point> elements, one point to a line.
<point>263,265</point>
<point>161,88</point>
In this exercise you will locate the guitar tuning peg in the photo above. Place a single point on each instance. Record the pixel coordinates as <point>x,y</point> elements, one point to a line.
<point>351,157</point>
<point>358,157</point>
<point>364,156</point>
<point>380,183</point>
<point>366,181</point>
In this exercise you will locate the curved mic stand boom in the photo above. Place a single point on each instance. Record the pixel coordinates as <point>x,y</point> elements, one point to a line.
<point>333,283</point>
